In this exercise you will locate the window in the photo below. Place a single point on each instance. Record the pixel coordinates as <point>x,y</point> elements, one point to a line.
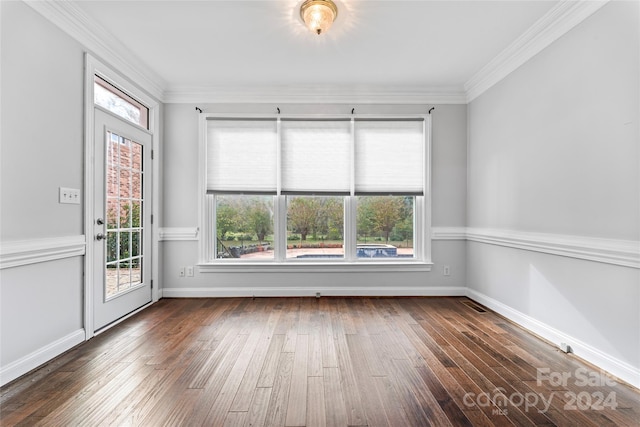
<point>114,100</point>
<point>244,226</point>
<point>315,227</point>
<point>289,190</point>
<point>385,226</point>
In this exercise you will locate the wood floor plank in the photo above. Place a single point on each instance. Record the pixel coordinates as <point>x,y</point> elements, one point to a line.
<point>315,365</point>
<point>297,401</point>
<point>270,367</point>
<point>243,396</point>
<point>372,406</point>
<point>227,393</point>
<point>391,402</point>
<point>235,419</point>
<point>216,382</point>
<point>350,390</point>
<point>316,408</point>
<point>210,366</point>
<point>313,362</point>
<point>277,409</point>
<point>258,408</point>
<point>335,408</point>
<point>327,339</point>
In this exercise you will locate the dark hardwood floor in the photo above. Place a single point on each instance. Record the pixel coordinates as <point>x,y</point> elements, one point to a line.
<point>316,362</point>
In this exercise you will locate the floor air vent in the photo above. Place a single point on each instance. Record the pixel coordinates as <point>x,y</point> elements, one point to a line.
<point>474,306</point>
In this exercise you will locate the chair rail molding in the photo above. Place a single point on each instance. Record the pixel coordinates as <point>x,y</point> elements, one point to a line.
<point>177,234</point>
<point>610,251</point>
<point>448,233</point>
<point>24,252</point>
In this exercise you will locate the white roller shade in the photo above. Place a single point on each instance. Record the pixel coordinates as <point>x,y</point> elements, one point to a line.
<point>241,155</point>
<point>316,156</point>
<point>389,157</point>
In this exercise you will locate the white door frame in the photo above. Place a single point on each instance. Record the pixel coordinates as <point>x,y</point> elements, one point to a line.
<point>94,67</point>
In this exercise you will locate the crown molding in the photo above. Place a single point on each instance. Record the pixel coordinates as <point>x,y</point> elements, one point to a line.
<point>338,94</point>
<point>554,24</point>
<point>95,38</point>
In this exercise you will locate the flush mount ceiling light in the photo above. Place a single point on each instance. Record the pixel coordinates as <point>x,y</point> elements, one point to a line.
<point>318,15</point>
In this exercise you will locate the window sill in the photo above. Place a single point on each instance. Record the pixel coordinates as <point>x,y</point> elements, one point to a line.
<point>313,267</point>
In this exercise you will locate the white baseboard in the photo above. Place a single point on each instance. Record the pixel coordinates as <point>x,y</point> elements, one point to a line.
<point>238,291</point>
<point>618,368</point>
<point>31,361</point>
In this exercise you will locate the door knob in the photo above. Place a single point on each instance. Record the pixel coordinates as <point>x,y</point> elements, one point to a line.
<point>100,236</point>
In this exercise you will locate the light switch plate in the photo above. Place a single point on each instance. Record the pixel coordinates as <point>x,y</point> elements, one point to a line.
<point>69,196</point>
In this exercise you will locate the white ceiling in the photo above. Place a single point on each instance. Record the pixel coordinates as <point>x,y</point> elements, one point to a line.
<point>204,45</point>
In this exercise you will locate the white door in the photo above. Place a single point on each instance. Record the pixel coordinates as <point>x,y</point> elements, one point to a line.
<point>122,227</point>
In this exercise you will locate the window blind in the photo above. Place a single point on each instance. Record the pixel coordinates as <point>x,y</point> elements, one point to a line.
<point>241,156</point>
<point>316,156</point>
<point>389,157</point>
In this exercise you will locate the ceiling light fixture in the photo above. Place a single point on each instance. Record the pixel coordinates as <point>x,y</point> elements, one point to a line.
<point>318,15</point>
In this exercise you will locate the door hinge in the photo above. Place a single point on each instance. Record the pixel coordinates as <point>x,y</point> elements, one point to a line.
<point>151,218</point>
<point>152,284</point>
<point>152,154</point>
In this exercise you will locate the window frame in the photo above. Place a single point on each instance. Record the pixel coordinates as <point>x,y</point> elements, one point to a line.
<point>421,261</point>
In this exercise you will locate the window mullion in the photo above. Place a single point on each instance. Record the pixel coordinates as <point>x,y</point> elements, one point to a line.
<point>350,233</point>
<point>278,157</point>
<point>280,228</point>
<point>211,250</point>
<point>280,209</point>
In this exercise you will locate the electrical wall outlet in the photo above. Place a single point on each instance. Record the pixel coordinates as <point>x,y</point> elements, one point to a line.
<point>181,272</point>
<point>446,270</point>
<point>69,196</point>
<point>190,271</point>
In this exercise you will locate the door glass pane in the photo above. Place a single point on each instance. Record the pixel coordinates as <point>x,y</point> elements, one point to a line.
<point>112,213</point>
<point>112,247</point>
<point>124,205</point>
<point>125,184</point>
<point>124,276</point>
<point>111,282</point>
<point>136,212</point>
<point>135,244</point>
<point>136,161</point>
<point>136,185</point>
<point>125,213</point>
<point>136,271</point>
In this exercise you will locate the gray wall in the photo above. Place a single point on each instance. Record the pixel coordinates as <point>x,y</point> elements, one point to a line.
<point>42,149</point>
<point>180,206</point>
<point>554,148</point>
